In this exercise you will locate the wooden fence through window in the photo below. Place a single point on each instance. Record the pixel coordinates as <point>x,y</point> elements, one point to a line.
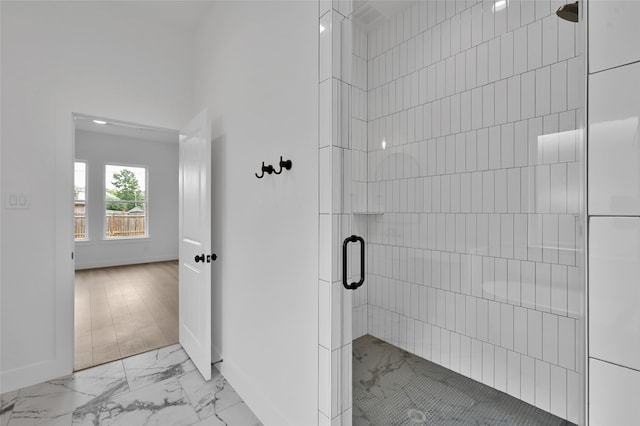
<point>117,226</point>
<point>125,226</point>
<point>80,231</point>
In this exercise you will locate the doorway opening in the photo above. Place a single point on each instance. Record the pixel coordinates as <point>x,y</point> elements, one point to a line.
<point>122,311</point>
<point>126,240</point>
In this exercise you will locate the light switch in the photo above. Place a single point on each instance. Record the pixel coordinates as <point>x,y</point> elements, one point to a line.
<point>14,200</point>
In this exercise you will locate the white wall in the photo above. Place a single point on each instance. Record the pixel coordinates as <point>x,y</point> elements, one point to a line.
<point>256,72</point>
<point>614,212</point>
<point>161,161</point>
<point>104,59</point>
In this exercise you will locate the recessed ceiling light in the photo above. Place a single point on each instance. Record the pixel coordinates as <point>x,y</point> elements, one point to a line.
<point>99,122</point>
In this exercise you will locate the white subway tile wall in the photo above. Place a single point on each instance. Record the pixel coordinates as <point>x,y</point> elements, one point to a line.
<point>464,156</point>
<point>342,160</point>
<point>615,294</point>
<point>614,210</point>
<point>614,185</point>
<point>613,394</point>
<point>614,24</point>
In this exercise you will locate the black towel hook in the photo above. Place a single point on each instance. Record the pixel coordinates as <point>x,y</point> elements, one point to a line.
<point>269,169</point>
<point>284,165</point>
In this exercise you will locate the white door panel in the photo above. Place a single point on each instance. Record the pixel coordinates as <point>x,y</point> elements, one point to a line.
<point>195,240</point>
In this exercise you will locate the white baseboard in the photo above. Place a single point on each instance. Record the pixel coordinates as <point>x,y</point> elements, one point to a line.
<point>32,374</point>
<point>104,263</point>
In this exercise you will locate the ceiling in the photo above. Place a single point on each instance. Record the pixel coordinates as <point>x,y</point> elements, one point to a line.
<point>369,13</point>
<point>126,130</point>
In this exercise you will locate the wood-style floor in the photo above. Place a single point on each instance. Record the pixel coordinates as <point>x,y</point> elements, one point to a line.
<point>124,310</point>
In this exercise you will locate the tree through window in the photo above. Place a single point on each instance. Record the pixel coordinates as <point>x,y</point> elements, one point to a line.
<point>125,201</point>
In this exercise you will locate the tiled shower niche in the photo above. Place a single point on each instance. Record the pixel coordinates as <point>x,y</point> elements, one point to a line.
<point>455,150</point>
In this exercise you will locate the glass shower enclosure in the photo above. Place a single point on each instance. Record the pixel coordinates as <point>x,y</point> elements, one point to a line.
<point>458,157</point>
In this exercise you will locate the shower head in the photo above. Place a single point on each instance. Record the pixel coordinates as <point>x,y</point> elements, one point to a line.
<point>568,12</point>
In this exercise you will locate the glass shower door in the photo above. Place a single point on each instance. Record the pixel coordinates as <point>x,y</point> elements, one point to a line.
<point>463,171</point>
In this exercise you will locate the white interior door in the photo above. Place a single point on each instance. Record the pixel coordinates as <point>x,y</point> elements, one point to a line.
<point>195,242</point>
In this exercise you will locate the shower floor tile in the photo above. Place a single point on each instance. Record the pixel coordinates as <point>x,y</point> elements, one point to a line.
<point>392,387</point>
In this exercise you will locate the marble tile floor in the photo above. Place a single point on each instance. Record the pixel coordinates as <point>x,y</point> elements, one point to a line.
<point>392,387</point>
<point>160,387</point>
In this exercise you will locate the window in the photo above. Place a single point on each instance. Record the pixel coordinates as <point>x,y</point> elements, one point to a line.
<point>125,201</point>
<point>80,200</point>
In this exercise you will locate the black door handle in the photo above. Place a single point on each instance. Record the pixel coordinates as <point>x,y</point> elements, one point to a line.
<point>210,258</point>
<point>345,282</point>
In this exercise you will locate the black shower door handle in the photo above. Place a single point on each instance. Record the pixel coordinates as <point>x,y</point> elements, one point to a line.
<point>345,282</point>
